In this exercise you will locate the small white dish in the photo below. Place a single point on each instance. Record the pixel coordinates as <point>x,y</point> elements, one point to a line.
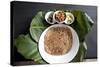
<point>69,16</point>
<point>57,20</point>
<point>60,58</point>
<point>47,16</point>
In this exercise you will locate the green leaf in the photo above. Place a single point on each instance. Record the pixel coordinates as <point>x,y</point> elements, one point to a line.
<point>37,26</point>
<point>81,53</point>
<point>28,48</point>
<point>36,33</point>
<point>82,24</point>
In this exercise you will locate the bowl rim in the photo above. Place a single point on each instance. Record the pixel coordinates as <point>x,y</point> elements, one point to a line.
<point>47,15</point>
<point>61,58</point>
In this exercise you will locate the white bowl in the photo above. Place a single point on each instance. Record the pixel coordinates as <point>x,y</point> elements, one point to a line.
<point>69,14</point>
<point>55,19</point>
<point>60,58</point>
<point>47,15</point>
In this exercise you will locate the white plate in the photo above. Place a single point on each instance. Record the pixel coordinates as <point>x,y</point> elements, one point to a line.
<point>62,58</point>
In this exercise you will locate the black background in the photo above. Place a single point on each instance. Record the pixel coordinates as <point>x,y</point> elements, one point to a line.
<point>22,13</point>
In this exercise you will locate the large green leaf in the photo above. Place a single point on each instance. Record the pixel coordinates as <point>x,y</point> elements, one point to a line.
<point>28,48</point>
<point>37,26</point>
<point>82,24</point>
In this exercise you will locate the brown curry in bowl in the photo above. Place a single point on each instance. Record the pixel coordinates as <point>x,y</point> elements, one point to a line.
<point>58,40</point>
